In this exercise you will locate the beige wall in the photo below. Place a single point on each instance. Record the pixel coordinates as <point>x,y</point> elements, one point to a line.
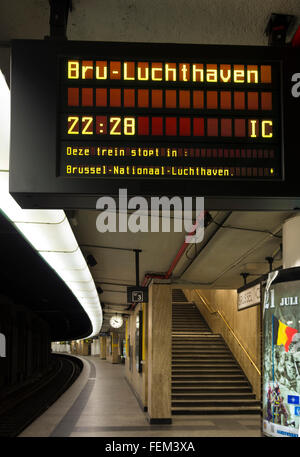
<point>138,381</point>
<point>159,353</point>
<point>246,325</point>
<point>153,385</point>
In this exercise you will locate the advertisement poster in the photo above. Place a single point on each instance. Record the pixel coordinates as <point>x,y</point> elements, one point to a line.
<point>281,354</point>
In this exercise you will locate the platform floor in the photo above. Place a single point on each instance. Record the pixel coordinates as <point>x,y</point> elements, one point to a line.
<point>101,404</point>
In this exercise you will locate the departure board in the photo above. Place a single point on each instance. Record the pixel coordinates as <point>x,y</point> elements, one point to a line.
<point>156,119</point>
<point>186,119</point>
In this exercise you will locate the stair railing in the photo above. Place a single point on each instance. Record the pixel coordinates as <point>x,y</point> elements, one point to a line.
<point>210,309</point>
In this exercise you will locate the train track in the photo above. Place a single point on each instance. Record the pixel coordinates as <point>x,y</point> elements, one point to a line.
<point>22,407</point>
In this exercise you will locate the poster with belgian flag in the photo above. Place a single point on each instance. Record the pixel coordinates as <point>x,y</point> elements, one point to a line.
<point>281,354</point>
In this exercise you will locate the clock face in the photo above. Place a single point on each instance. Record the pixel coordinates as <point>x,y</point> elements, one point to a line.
<point>116,321</point>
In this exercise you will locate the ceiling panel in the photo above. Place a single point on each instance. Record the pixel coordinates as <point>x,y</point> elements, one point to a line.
<point>178,21</point>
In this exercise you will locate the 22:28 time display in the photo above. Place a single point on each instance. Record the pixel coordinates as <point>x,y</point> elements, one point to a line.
<point>147,126</point>
<point>105,125</point>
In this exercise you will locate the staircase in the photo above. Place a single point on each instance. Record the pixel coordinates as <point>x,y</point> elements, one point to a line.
<point>206,378</point>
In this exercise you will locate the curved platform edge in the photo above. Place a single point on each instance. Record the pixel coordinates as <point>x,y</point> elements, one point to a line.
<point>44,425</point>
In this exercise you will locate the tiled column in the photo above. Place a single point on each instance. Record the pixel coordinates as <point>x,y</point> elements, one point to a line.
<point>159,353</point>
<point>290,242</point>
<point>102,347</point>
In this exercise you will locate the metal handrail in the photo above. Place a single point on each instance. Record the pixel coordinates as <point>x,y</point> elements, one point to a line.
<point>230,329</point>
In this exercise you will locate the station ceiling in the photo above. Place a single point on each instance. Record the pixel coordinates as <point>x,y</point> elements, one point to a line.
<point>234,242</point>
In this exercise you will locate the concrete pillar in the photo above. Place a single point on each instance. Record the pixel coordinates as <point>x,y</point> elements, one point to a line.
<point>291,242</point>
<point>112,348</point>
<point>115,348</point>
<point>102,347</point>
<point>159,353</point>
<point>84,348</point>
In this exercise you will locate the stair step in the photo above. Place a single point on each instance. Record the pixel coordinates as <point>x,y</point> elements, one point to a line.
<point>184,306</point>
<point>211,389</point>
<point>204,356</point>
<point>203,360</point>
<point>192,317</point>
<point>207,350</point>
<point>215,396</point>
<point>187,322</point>
<point>186,312</point>
<point>199,347</point>
<point>216,402</point>
<point>187,315</point>
<point>190,330</point>
<point>195,342</point>
<point>194,364</point>
<point>188,327</point>
<point>181,306</point>
<point>208,370</point>
<point>205,365</point>
<point>250,409</point>
<point>202,335</point>
<point>199,364</point>
<point>195,370</point>
<point>185,334</point>
<point>192,339</point>
<point>198,339</point>
<point>208,377</point>
<point>211,383</point>
<point>201,357</point>
<point>182,303</point>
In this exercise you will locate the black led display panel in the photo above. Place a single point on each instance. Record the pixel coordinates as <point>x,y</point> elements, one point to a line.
<point>170,120</point>
<point>156,119</point>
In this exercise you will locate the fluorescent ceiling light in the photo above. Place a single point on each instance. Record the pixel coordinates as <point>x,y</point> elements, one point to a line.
<point>48,231</point>
<point>63,261</point>
<point>4,123</point>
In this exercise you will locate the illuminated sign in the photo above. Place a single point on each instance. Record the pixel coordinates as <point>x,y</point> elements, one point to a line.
<point>137,294</point>
<point>215,121</point>
<point>183,120</point>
